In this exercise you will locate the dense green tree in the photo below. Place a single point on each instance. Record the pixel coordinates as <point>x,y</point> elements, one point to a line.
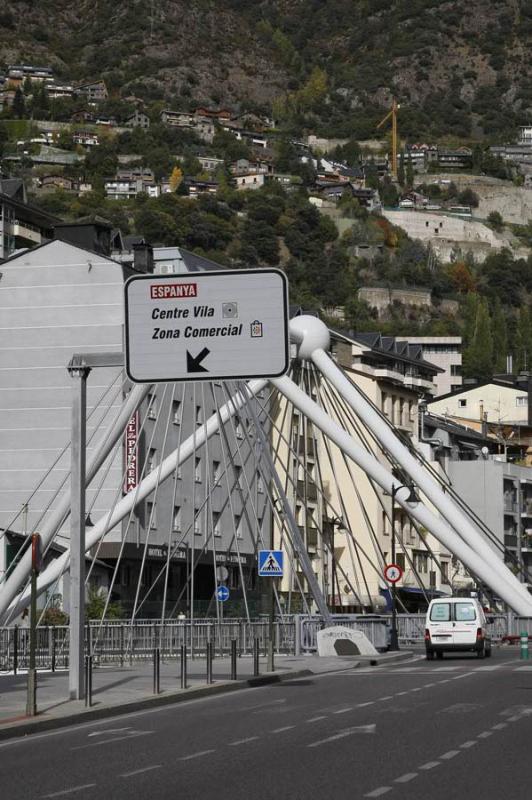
<point>401,169</point>
<point>523,341</point>
<point>19,104</point>
<point>500,338</point>
<point>409,175</point>
<point>478,357</point>
<point>495,221</point>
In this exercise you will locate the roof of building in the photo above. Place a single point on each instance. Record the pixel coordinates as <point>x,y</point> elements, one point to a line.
<point>505,382</point>
<point>390,347</point>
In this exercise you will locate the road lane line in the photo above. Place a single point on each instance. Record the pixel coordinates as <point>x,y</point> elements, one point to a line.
<point>368,703</point>
<point>286,728</point>
<point>69,791</point>
<point>343,710</point>
<point>449,754</point>
<point>499,726</point>
<point>317,719</point>
<point>110,741</point>
<point>408,777</point>
<point>343,734</point>
<point>382,699</point>
<point>467,745</point>
<point>243,741</point>
<point>430,765</point>
<point>378,792</point>
<point>197,755</point>
<point>140,771</point>
<point>484,734</point>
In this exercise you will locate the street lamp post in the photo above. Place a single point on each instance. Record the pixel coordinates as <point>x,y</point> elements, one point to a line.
<point>413,498</point>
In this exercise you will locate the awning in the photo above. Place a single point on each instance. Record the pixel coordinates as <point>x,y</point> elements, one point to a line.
<point>409,591</point>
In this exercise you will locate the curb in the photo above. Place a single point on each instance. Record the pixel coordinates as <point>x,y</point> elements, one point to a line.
<point>26,727</point>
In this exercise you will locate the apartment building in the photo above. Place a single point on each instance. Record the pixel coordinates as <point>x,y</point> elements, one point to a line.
<point>445,352</point>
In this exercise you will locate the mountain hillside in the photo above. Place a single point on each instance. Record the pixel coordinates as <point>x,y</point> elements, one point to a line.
<point>459,67</point>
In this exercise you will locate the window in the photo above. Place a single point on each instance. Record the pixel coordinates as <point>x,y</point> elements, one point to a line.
<point>445,571</point>
<point>151,510</point>
<point>238,526</point>
<point>421,561</point>
<point>152,459</point>
<point>239,431</point>
<point>197,525</point>
<point>216,522</point>
<point>197,469</point>
<point>199,415</point>
<point>260,483</point>
<point>462,403</point>
<point>521,401</point>
<point>440,612</point>
<point>152,406</point>
<point>216,471</point>
<point>400,560</point>
<point>176,412</point>
<point>464,612</point>
<point>176,523</point>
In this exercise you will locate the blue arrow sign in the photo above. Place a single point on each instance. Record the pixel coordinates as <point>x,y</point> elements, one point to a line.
<point>222,593</point>
<point>271,563</point>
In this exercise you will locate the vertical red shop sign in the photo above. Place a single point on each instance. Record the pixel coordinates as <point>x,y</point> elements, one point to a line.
<point>131,457</point>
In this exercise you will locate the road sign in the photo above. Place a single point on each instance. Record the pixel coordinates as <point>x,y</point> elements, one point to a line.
<point>207,326</point>
<point>222,593</point>
<point>393,573</point>
<point>271,563</point>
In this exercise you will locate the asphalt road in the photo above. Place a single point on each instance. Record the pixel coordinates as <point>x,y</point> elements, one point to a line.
<point>457,728</point>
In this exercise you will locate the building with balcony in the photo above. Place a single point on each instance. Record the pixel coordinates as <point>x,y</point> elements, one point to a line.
<point>445,352</point>
<point>21,225</point>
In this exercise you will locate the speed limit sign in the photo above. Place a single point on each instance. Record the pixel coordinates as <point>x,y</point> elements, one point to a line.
<point>393,573</point>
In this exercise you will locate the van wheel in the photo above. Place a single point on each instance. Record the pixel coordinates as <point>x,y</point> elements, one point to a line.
<point>482,652</point>
<point>488,652</point>
<point>439,656</point>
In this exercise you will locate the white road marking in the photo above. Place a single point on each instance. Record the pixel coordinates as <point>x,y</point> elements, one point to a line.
<point>243,741</point>
<point>417,689</point>
<point>368,703</point>
<point>430,765</point>
<point>408,669</point>
<point>109,730</point>
<point>69,791</point>
<point>263,705</point>
<point>378,792</point>
<point>400,693</point>
<point>449,754</point>
<point>514,719</point>
<point>140,771</point>
<point>484,734</point>
<point>286,728</point>
<point>445,680</point>
<point>488,669</point>
<point>343,734</point>
<point>499,726</point>
<point>317,719</point>
<point>445,669</point>
<point>382,699</point>
<point>132,735</point>
<point>523,669</point>
<point>196,755</point>
<point>405,778</point>
<point>344,710</point>
<point>467,745</point>
<point>428,685</point>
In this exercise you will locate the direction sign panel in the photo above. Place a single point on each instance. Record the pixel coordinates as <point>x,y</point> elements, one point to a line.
<point>271,563</point>
<point>206,326</point>
<point>222,593</point>
<point>393,573</point>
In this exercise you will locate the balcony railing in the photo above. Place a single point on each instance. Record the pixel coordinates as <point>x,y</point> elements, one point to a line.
<point>311,492</point>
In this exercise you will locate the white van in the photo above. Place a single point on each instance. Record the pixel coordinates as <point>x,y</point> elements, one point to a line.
<point>454,624</point>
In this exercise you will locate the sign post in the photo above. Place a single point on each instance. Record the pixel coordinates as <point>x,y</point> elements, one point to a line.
<point>36,566</point>
<point>393,573</point>
<point>271,565</point>
<point>207,326</point>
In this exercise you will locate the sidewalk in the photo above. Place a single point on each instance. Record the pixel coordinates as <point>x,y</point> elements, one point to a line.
<point>118,690</point>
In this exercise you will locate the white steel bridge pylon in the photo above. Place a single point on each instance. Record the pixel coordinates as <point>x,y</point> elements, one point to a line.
<point>448,523</point>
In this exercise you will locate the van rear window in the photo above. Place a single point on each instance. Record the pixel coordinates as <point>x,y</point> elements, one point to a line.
<point>440,612</point>
<point>464,612</point>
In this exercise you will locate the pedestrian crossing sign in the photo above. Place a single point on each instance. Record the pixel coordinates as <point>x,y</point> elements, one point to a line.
<point>271,563</point>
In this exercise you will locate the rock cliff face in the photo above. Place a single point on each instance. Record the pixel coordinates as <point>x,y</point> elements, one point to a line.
<point>458,66</point>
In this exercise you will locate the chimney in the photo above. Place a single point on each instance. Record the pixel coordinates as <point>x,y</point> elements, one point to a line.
<point>143,257</point>
<point>509,365</point>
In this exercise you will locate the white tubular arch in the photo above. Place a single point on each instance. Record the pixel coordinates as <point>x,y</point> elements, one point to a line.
<point>312,337</point>
<point>54,570</point>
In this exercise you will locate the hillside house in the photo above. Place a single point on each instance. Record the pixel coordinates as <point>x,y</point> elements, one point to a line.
<point>212,113</point>
<point>95,92</point>
<point>138,120</point>
<point>85,138</point>
<point>18,73</point>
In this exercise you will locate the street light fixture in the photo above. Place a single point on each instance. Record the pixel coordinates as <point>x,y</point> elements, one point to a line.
<point>412,498</point>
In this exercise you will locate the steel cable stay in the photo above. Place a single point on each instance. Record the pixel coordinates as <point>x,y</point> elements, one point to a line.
<point>351,420</point>
<point>57,492</point>
<point>58,458</point>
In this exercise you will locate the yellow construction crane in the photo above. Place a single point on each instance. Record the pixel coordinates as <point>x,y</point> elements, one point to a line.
<point>393,114</point>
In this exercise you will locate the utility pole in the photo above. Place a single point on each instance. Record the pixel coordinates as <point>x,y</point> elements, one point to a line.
<point>76,682</point>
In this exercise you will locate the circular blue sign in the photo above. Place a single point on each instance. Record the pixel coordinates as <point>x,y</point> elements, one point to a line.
<point>222,593</point>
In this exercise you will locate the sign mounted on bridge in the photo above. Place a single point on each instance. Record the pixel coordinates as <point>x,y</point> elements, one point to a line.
<point>393,573</point>
<point>271,563</point>
<point>206,326</point>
